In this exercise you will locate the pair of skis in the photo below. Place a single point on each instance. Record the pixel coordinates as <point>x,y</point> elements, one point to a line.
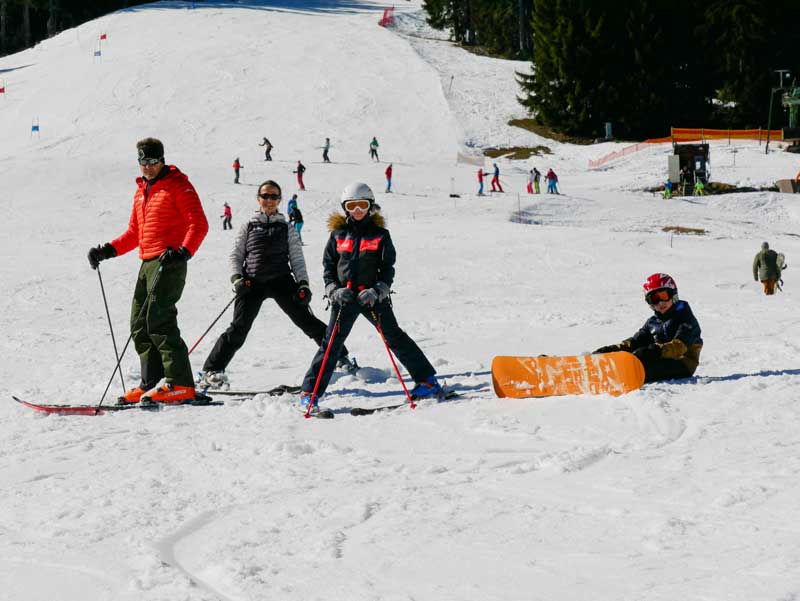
<point>64,409</point>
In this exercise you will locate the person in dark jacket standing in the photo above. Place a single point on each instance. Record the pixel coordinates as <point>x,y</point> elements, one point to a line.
<point>296,217</point>
<point>267,149</point>
<point>669,343</point>
<point>236,166</point>
<point>227,215</point>
<point>358,269</point>
<point>168,225</point>
<point>325,148</point>
<point>766,268</point>
<point>266,262</point>
<point>301,169</point>
<point>373,149</point>
<point>496,179</point>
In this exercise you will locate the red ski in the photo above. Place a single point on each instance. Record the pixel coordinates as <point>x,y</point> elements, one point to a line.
<point>93,410</point>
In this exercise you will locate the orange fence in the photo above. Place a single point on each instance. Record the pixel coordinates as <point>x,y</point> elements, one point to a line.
<point>686,134</point>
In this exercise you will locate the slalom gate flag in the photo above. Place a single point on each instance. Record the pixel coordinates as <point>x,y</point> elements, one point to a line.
<point>103,36</point>
<point>97,53</point>
<point>34,127</point>
<point>2,88</point>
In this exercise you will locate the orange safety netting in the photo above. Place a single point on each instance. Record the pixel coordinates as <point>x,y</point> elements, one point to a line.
<point>687,134</point>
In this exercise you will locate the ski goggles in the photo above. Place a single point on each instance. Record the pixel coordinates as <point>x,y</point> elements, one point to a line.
<point>356,205</point>
<point>658,296</point>
<point>150,161</point>
<point>269,196</point>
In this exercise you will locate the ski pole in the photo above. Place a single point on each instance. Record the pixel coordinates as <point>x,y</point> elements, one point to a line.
<point>130,337</point>
<point>324,361</point>
<point>194,346</point>
<point>110,327</point>
<point>411,402</point>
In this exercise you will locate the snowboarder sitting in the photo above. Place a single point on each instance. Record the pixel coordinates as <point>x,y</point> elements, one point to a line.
<point>266,262</point>
<point>358,268</point>
<point>669,343</point>
<point>766,268</point>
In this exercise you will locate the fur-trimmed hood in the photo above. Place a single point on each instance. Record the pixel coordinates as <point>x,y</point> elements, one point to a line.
<point>337,221</point>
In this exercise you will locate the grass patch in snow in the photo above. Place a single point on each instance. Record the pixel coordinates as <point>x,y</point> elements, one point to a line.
<point>679,229</point>
<point>517,153</point>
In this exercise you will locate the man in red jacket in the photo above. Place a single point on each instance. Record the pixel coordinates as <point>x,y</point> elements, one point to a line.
<point>167,224</point>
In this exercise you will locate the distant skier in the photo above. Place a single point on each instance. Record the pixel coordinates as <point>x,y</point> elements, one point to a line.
<point>388,173</point>
<point>669,343</point>
<point>267,149</point>
<point>326,147</point>
<point>536,177</point>
<point>766,268</point>
<point>530,182</point>
<point>699,188</point>
<point>496,179</point>
<point>667,189</point>
<point>296,218</point>
<point>481,175</point>
<point>358,266</point>
<point>168,225</point>
<point>373,149</point>
<point>236,166</point>
<point>552,182</point>
<point>301,169</point>
<point>266,262</point>
<point>227,215</point>
<point>292,204</point>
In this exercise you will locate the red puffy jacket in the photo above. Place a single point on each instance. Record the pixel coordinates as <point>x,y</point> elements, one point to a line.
<point>168,214</point>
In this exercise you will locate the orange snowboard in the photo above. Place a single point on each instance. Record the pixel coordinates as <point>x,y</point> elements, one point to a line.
<point>609,373</point>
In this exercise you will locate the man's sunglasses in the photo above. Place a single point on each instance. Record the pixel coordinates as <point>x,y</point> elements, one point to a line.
<point>150,161</point>
<point>356,205</point>
<point>269,196</point>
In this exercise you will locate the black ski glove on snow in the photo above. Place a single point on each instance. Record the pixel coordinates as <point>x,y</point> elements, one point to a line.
<point>101,253</point>
<point>241,285</point>
<point>611,348</point>
<point>302,296</point>
<point>170,256</point>
<point>648,353</point>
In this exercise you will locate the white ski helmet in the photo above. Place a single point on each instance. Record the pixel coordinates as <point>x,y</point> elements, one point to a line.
<point>357,191</point>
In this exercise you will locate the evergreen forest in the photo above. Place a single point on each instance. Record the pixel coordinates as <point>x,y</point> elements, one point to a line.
<point>23,23</point>
<point>643,65</point>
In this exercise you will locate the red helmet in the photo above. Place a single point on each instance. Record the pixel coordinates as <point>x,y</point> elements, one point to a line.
<point>657,282</point>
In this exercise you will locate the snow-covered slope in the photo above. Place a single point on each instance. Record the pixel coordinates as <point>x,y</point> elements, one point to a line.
<point>684,490</point>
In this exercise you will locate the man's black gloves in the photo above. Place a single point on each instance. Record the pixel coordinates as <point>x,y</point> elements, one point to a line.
<point>611,348</point>
<point>101,253</point>
<point>170,256</point>
<point>302,296</point>
<point>649,353</point>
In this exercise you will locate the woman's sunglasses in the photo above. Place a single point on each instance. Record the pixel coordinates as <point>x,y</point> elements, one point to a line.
<point>269,196</point>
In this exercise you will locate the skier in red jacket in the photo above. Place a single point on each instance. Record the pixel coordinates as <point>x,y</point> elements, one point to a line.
<point>168,225</point>
<point>236,166</point>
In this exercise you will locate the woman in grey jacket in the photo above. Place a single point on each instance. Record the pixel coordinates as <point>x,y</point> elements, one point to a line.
<point>266,262</point>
